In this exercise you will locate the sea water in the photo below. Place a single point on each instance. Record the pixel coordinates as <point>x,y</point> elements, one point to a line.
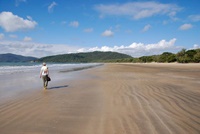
<point>7,68</point>
<point>24,77</point>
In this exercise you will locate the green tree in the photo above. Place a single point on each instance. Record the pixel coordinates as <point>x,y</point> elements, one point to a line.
<point>190,55</point>
<point>171,58</point>
<point>146,59</point>
<point>197,56</point>
<point>167,57</point>
<point>181,56</point>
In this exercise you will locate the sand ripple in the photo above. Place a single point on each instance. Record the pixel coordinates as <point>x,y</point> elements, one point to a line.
<point>112,99</point>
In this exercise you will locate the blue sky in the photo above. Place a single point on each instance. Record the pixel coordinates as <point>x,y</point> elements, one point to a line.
<point>135,27</point>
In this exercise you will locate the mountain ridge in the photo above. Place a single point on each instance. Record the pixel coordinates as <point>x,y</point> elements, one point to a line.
<point>9,57</point>
<point>96,56</point>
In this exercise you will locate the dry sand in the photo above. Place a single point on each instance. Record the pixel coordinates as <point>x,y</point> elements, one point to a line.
<point>111,99</point>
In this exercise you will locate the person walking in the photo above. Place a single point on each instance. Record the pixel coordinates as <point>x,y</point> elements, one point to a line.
<point>44,73</point>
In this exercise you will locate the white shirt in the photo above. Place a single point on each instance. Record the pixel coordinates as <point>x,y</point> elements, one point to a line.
<point>44,70</point>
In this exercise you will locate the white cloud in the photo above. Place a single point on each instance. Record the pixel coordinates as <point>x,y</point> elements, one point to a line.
<point>74,24</point>
<point>138,10</point>
<point>194,17</point>
<point>107,33</point>
<point>185,27</point>
<point>138,49</point>
<point>1,36</point>
<point>88,30</point>
<point>196,46</point>
<point>51,6</point>
<point>27,39</point>
<point>11,23</point>
<point>146,28</point>
<point>29,17</point>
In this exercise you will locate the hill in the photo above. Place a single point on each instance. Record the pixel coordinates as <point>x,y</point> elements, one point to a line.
<point>85,57</point>
<point>15,58</point>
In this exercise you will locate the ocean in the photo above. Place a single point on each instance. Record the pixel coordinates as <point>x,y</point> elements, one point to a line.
<point>7,68</point>
<point>19,78</point>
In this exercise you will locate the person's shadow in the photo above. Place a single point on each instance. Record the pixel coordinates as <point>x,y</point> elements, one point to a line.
<point>57,87</point>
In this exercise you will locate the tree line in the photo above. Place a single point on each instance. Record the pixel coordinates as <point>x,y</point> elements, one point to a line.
<point>183,56</point>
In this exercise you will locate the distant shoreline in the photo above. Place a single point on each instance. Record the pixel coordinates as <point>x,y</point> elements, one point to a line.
<point>79,68</point>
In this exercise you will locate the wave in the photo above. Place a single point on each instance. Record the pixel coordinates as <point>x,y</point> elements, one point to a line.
<point>11,68</point>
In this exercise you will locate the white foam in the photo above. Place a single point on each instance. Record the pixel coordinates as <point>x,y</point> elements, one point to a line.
<point>6,70</point>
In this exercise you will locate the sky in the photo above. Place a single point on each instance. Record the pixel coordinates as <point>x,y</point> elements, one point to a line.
<point>135,27</point>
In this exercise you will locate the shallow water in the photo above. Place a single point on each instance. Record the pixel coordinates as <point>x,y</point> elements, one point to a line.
<point>16,79</point>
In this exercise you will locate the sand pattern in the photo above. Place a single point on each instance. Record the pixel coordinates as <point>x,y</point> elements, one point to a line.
<point>111,99</point>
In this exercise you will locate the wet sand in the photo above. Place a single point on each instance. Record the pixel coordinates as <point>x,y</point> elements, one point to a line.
<point>111,99</point>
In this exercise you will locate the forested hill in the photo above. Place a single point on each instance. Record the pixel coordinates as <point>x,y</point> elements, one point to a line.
<point>15,58</point>
<point>85,57</point>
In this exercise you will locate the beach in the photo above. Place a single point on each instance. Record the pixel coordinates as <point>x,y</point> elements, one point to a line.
<point>108,99</point>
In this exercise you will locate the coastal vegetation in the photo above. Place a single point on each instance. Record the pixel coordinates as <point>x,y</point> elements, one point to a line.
<point>183,56</point>
<point>96,56</point>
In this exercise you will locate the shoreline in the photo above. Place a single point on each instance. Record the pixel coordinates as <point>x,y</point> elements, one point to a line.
<point>80,68</point>
<point>115,98</point>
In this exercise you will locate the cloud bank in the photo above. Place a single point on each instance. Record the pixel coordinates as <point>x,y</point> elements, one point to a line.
<point>41,50</point>
<point>34,49</point>
<point>139,49</point>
